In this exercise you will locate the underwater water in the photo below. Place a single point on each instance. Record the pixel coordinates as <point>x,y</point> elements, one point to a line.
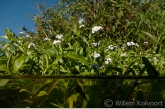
<point>84,92</point>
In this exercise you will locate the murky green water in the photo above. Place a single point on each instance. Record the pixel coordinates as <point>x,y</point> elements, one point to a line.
<point>84,92</point>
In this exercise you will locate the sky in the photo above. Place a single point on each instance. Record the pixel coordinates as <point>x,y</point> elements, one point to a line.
<point>14,14</point>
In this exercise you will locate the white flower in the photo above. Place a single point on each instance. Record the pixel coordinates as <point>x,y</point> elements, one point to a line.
<point>96,55</point>
<point>155,59</point>
<point>96,28</point>
<point>132,43</point>
<point>81,21</point>
<point>145,42</point>
<point>108,61</point>
<point>111,47</point>
<point>47,39</point>
<point>142,65</point>
<point>57,42</point>
<point>95,44</point>
<point>27,36</point>
<point>21,33</point>
<point>81,26</point>
<point>59,36</point>
<point>31,44</point>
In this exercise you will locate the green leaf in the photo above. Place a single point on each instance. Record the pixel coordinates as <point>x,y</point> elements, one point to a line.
<point>71,99</point>
<point>150,69</point>
<point>8,33</point>
<point>20,48</point>
<point>42,93</point>
<point>109,69</point>
<point>78,57</point>
<point>49,52</point>
<point>5,37</point>
<point>151,36</point>
<point>70,102</point>
<point>4,68</point>
<point>24,90</point>
<point>9,63</point>
<point>79,89</point>
<point>85,73</point>
<point>18,63</point>
<point>5,46</point>
<point>3,82</point>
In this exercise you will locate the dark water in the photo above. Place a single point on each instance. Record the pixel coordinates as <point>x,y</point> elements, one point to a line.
<point>82,92</point>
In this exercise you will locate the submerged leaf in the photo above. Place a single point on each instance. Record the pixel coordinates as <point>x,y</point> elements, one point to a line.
<point>3,82</point>
<point>42,93</point>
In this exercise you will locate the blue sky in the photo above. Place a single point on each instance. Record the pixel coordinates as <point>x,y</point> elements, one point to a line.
<point>14,14</point>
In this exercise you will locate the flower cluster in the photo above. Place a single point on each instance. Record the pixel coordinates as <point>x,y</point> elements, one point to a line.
<point>96,55</point>
<point>81,21</point>
<point>59,36</point>
<point>111,47</point>
<point>96,28</point>
<point>57,42</point>
<point>95,44</point>
<point>132,43</point>
<point>108,61</point>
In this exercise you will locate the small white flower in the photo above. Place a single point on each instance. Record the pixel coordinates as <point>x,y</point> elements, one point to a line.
<point>111,47</point>
<point>27,36</point>
<point>108,61</point>
<point>96,28</point>
<point>21,33</point>
<point>81,21</point>
<point>95,44</point>
<point>142,65</point>
<point>96,55</point>
<point>59,36</point>
<point>145,42</point>
<point>130,43</point>
<point>57,42</point>
<point>31,44</point>
<point>155,59</point>
<point>81,26</point>
<point>47,39</point>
